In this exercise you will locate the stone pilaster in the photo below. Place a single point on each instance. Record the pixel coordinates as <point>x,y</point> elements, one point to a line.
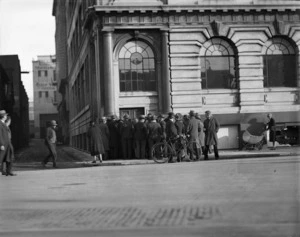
<point>109,97</point>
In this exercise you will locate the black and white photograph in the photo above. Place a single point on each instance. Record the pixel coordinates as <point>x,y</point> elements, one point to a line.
<point>150,118</point>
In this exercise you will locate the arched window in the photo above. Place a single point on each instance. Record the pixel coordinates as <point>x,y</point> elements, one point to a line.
<point>137,67</point>
<point>279,64</point>
<point>218,65</point>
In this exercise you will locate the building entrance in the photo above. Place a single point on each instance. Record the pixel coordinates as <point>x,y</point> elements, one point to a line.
<point>132,112</point>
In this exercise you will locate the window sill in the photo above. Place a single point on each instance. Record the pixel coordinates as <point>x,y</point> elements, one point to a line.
<point>281,89</point>
<point>219,91</point>
<point>138,93</point>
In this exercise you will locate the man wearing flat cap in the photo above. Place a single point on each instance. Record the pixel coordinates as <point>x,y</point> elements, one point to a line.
<point>211,128</point>
<point>50,142</point>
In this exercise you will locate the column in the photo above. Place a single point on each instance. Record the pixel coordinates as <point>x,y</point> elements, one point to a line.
<point>166,83</point>
<point>109,100</point>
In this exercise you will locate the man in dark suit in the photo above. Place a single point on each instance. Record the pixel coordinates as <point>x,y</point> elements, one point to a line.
<point>211,128</point>
<point>127,130</point>
<point>193,131</point>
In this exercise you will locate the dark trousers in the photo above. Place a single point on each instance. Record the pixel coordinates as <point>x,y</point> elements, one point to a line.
<point>127,148</point>
<point>215,151</point>
<point>151,143</point>
<point>52,153</point>
<point>140,146</point>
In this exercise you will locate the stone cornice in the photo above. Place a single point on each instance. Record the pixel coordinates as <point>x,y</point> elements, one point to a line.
<point>197,8</point>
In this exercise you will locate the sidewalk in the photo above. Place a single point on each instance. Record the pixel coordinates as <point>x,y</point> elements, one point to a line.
<point>68,157</point>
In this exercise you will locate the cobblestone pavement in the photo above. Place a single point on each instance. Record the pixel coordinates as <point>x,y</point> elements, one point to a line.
<point>253,197</point>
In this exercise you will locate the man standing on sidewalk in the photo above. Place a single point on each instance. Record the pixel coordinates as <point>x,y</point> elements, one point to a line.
<point>4,144</point>
<point>211,128</point>
<point>50,142</point>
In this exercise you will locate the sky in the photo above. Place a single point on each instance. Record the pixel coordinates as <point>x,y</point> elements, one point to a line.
<point>27,28</point>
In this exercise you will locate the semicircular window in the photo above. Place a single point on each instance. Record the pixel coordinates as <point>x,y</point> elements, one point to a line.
<point>218,65</point>
<point>280,64</point>
<point>137,67</point>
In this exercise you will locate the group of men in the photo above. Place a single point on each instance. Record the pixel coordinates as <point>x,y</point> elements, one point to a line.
<point>134,138</point>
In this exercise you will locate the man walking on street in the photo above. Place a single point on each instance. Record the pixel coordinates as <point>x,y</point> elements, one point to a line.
<point>211,128</point>
<point>50,142</point>
<point>193,131</point>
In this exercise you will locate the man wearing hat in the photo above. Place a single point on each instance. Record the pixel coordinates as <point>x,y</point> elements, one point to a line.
<point>154,133</point>
<point>140,137</point>
<point>171,130</point>
<point>50,142</point>
<point>211,128</point>
<point>114,139</point>
<point>193,130</point>
<point>162,123</point>
<point>126,130</point>
<point>5,145</point>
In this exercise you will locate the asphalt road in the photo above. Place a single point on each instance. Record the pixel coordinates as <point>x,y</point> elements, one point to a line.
<point>247,197</point>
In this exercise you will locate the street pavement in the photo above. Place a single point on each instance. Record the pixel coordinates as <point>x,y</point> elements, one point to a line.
<point>229,197</point>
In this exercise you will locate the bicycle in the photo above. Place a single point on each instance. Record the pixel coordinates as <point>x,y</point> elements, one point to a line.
<point>164,151</point>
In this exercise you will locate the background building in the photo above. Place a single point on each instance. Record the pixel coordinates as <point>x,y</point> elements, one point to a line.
<point>239,59</point>
<point>14,99</point>
<point>45,93</point>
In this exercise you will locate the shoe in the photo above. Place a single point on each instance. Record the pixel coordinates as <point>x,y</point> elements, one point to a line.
<point>3,173</point>
<point>206,158</point>
<point>217,157</point>
<point>43,165</point>
<point>93,162</point>
<point>55,166</point>
<point>11,174</point>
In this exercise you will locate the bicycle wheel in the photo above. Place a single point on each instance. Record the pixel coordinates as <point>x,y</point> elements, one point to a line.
<point>162,152</point>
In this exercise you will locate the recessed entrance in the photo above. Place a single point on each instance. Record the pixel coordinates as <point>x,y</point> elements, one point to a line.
<point>132,112</point>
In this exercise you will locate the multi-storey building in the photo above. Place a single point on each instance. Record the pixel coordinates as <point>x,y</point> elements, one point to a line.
<point>239,59</point>
<point>45,93</point>
<point>14,99</point>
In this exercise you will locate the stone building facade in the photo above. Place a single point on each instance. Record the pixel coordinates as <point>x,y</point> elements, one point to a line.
<point>239,59</point>
<point>45,93</point>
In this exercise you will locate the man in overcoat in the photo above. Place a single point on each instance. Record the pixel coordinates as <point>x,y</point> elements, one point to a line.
<point>127,130</point>
<point>140,137</point>
<point>5,145</point>
<point>114,139</point>
<point>211,128</point>
<point>154,133</point>
<point>50,142</point>
<point>105,135</point>
<point>201,134</point>
<point>193,130</point>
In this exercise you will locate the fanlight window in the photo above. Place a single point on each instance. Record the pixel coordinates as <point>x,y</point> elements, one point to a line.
<point>279,64</point>
<point>218,65</point>
<point>137,67</point>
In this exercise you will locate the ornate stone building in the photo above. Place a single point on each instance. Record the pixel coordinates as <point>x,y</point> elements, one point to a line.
<point>239,59</point>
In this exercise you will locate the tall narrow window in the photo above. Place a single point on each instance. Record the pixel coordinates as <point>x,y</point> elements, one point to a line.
<point>137,67</point>
<point>280,64</point>
<point>39,73</point>
<point>46,73</point>
<point>218,65</point>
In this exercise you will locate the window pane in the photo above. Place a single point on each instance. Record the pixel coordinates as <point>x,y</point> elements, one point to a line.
<point>137,64</point>
<point>218,73</point>
<point>280,71</point>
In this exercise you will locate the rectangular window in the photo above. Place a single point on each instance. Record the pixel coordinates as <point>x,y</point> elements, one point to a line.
<point>46,73</point>
<point>40,94</point>
<point>46,94</point>
<point>39,73</point>
<point>280,71</point>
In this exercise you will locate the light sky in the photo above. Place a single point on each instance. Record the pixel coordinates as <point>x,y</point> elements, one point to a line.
<point>27,28</point>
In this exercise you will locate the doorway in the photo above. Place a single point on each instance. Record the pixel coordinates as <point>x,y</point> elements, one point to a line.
<point>132,112</point>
